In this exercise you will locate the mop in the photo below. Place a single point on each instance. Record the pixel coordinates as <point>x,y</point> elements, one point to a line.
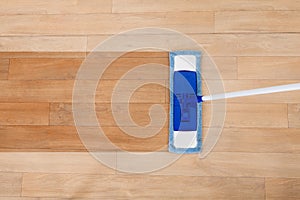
<point>185,125</point>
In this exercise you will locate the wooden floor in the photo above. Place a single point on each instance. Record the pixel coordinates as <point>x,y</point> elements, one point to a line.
<point>42,45</point>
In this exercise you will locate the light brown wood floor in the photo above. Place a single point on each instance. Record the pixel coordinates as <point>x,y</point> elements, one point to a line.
<point>42,44</point>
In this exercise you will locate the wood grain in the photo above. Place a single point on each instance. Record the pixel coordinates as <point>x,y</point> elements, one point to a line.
<point>248,115</point>
<point>40,138</point>
<point>36,91</point>
<point>232,140</point>
<point>251,44</point>
<point>257,21</point>
<point>55,7</point>
<point>268,68</point>
<point>189,22</point>
<point>226,67</point>
<point>61,114</point>
<point>61,91</point>
<point>258,115</point>
<point>62,68</point>
<point>28,54</point>
<point>235,164</point>
<point>65,138</point>
<point>263,44</point>
<point>129,137</point>
<point>24,113</point>
<point>147,91</point>
<point>10,184</point>
<point>20,198</point>
<point>217,164</point>
<point>133,140</point>
<point>125,186</point>
<point>282,188</point>
<point>294,115</point>
<point>42,43</point>
<point>125,6</point>
<point>43,68</point>
<point>263,140</point>
<point>4,63</point>
<point>144,68</point>
<point>56,162</point>
<point>66,68</point>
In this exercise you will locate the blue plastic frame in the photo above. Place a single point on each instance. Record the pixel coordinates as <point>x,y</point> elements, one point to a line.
<point>172,148</point>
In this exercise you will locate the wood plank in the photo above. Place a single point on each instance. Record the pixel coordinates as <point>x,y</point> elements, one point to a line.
<point>134,140</point>
<point>282,188</point>
<point>269,68</point>
<point>158,40</point>
<point>61,114</point>
<point>10,184</point>
<point>61,91</point>
<point>82,55</point>
<point>226,67</point>
<point>250,44</point>
<point>60,68</point>
<point>40,138</point>
<point>42,43</point>
<point>125,6</point>
<point>125,186</point>
<point>36,91</point>
<point>256,140</point>
<point>249,115</point>
<point>154,61</point>
<point>237,85</point>
<point>24,113</point>
<point>65,138</point>
<point>129,137</point>
<point>188,22</point>
<point>141,114</point>
<point>138,53</point>
<point>236,44</point>
<point>150,68</point>
<point>264,140</point>
<point>32,54</point>
<point>66,68</point>
<point>257,21</point>
<point>56,162</point>
<point>284,44</point>
<point>248,67</point>
<point>55,7</point>
<point>234,164</point>
<point>237,115</point>
<point>37,198</point>
<point>43,68</point>
<point>4,63</point>
<point>119,91</point>
<point>294,115</point>
<point>19,198</point>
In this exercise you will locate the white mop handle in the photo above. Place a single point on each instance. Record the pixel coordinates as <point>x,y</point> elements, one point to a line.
<point>267,90</point>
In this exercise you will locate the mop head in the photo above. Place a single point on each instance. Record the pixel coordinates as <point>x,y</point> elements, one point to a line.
<point>185,111</point>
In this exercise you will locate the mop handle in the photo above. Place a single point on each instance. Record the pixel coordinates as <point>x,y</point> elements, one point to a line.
<point>243,93</point>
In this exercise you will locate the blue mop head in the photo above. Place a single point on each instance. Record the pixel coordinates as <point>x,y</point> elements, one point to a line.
<point>185,111</point>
